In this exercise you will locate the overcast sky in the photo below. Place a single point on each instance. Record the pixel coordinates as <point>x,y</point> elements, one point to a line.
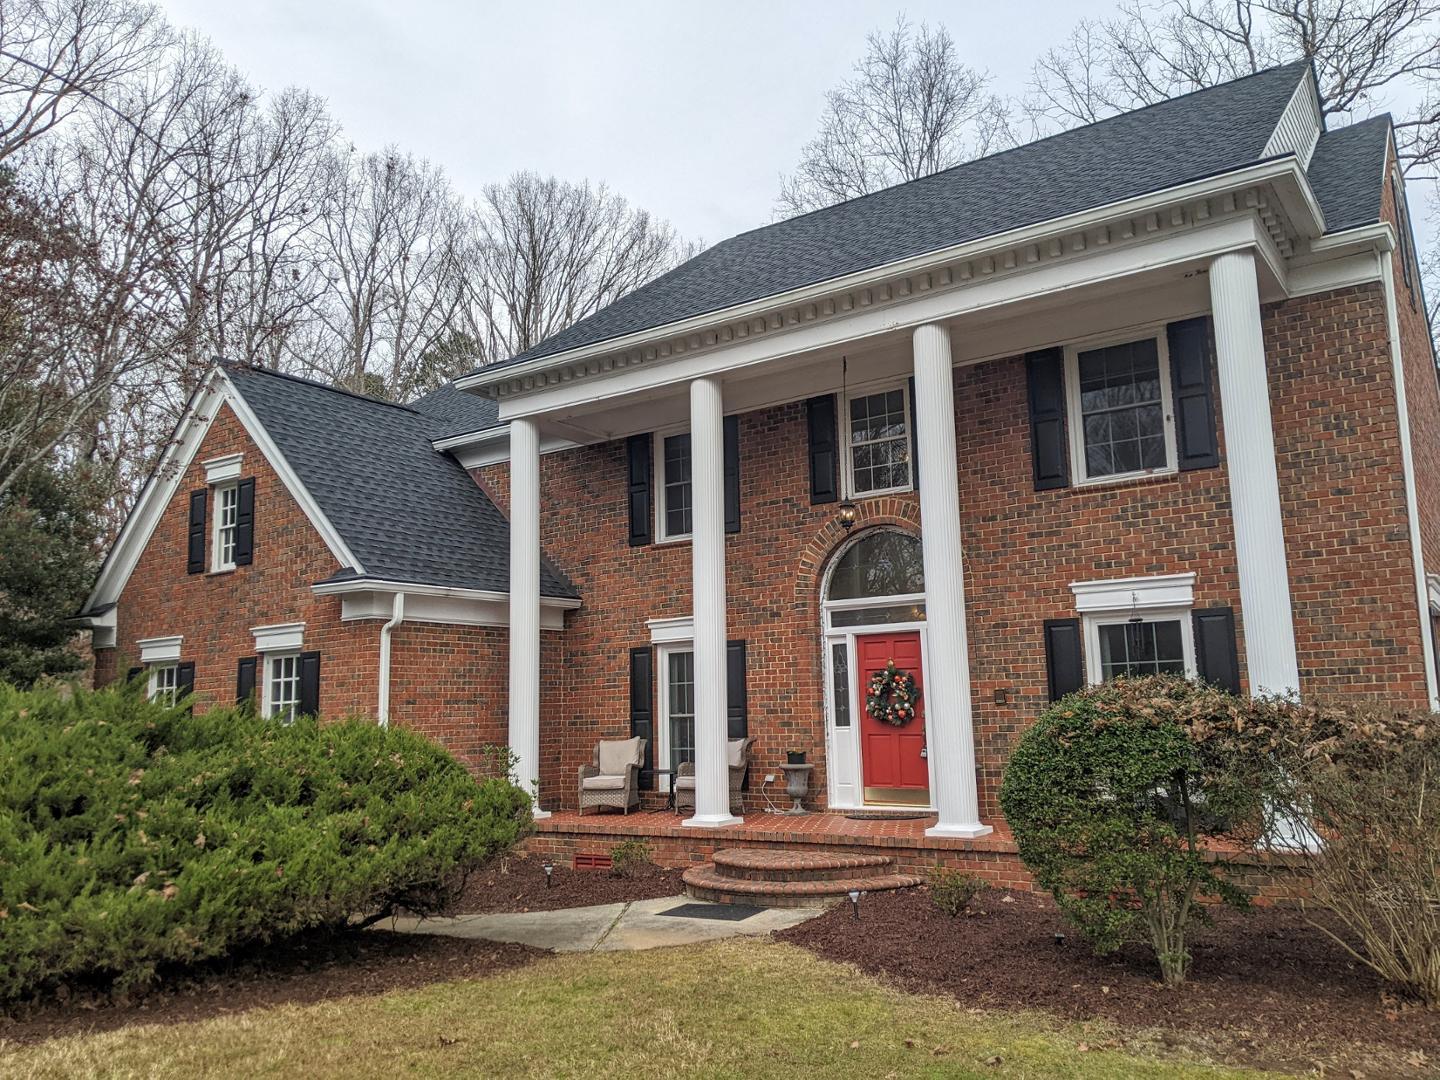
<point>689,110</point>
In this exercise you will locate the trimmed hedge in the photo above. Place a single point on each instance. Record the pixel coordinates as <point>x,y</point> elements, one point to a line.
<point>134,835</point>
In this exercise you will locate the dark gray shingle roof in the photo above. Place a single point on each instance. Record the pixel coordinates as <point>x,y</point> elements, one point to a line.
<point>459,413</point>
<point>1347,173</point>
<point>1186,138</point>
<point>407,511</point>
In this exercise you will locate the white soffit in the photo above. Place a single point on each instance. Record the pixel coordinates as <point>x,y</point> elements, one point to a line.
<point>281,637</point>
<point>160,650</point>
<point>1122,594</point>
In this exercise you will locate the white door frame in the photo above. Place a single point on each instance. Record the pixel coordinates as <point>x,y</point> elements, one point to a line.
<point>834,735</point>
<point>663,652</point>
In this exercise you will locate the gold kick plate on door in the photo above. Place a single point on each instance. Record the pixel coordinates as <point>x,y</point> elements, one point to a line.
<point>897,796</point>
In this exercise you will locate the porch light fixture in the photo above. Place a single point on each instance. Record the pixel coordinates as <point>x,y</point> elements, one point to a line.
<point>847,515</point>
<point>848,512</point>
<point>1133,626</point>
<point>549,868</point>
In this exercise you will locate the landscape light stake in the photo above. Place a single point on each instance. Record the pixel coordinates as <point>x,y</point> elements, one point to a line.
<point>549,869</point>
<point>855,895</point>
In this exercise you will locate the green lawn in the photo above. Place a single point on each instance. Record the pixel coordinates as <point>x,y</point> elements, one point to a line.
<point>741,1008</point>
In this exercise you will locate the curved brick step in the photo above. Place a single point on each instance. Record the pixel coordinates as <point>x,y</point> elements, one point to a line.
<point>759,864</point>
<point>704,882</point>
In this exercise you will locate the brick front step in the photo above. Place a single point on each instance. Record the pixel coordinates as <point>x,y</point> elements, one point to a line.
<point>772,864</point>
<point>706,883</point>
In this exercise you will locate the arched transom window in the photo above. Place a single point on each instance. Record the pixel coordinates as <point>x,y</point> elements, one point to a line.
<point>879,578</point>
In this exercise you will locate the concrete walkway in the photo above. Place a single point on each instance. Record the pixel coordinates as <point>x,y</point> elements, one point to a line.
<point>639,924</point>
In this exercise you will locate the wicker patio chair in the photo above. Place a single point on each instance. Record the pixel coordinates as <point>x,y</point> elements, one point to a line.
<point>738,752</point>
<point>613,776</point>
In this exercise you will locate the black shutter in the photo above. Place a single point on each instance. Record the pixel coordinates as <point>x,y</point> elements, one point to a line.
<point>642,709</point>
<point>637,456</point>
<point>1063,657</point>
<point>824,450</point>
<point>195,547</point>
<point>132,673</point>
<point>309,685</point>
<point>737,714</point>
<point>245,674</point>
<point>1216,657</point>
<point>184,679</point>
<point>1195,441</point>
<point>245,522</point>
<point>1045,374</point>
<point>914,440</point>
<point>732,474</point>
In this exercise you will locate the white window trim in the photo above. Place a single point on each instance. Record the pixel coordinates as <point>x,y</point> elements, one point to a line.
<point>1093,622</point>
<point>160,650</point>
<point>657,455</point>
<point>847,457</point>
<point>269,661</point>
<point>279,637</point>
<point>154,680</point>
<point>1074,417</point>
<point>217,491</point>
<point>221,470</point>
<point>662,711</point>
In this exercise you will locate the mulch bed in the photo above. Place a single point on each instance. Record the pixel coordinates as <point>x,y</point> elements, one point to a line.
<point>1265,988</point>
<point>315,968</point>
<point>518,884</point>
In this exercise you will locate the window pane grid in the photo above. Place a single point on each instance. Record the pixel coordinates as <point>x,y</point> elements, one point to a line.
<point>840,682</point>
<point>1121,408</point>
<point>680,686</point>
<point>879,442</point>
<point>227,507</point>
<point>1147,648</point>
<point>165,684</point>
<point>678,493</point>
<point>284,678</point>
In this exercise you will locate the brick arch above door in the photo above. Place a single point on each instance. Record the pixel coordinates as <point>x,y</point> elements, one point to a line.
<point>899,511</point>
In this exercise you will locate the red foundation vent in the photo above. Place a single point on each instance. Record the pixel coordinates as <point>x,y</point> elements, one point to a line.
<point>591,861</point>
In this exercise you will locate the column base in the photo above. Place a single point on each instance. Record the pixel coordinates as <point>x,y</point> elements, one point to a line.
<point>963,832</point>
<point>540,815</point>
<point>713,821</point>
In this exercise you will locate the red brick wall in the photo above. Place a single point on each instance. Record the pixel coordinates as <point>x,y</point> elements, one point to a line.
<point>447,681</point>
<point>1332,397</point>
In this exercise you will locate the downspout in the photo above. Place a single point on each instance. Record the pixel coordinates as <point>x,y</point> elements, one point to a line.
<point>397,616</point>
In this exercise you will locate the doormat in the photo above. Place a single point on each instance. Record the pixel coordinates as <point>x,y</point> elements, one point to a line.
<point>722,912</point>
<point>888,815</point>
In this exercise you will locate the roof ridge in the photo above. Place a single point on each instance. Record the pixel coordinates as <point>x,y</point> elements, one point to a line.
<point>1014,149</point>
<point>258,369</point>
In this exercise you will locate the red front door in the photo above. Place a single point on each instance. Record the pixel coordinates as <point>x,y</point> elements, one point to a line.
<point>892,758</point>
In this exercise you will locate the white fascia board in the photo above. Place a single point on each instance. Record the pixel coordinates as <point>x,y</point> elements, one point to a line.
<point>214,390</point>
<point>1122,594</point>
<point>1104,266</point>
<point>160,650</point>
<point>472,438</point>
<point>1284,173</point>
<point>412,588</point>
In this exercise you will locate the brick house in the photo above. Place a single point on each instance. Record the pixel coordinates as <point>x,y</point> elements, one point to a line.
<point>1155,394</point>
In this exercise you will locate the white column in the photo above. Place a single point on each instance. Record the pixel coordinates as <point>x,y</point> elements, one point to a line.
<point>707,554</point>
<point>525,605</point>
<point>1254,487</point>
<point>949,724</point>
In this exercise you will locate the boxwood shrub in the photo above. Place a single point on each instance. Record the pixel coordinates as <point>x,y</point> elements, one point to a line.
<point>134,835</point>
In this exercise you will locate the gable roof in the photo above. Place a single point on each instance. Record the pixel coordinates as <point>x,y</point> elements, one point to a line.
<point>409,513</point>
<point>1186,138</point>
<point>458,413</point>
<point>1347,173</point>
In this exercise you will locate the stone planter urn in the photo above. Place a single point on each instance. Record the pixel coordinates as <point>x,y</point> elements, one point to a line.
<point>797,785</point>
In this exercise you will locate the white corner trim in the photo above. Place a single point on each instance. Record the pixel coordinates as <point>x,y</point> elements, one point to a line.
<point>226,467</point>
<point>160,650</point>
<point>670,631</point>
<point>1122,594</point>
<point>280,637</point>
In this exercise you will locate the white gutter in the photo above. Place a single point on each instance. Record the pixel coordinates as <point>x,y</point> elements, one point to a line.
<point>396,617</point>
<point>359,585</point>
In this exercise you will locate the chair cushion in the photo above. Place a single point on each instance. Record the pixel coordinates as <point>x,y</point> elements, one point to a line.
<point>685,783</point>
<point>613,757</point>
<point>735,753</point>
<point>603,783</point>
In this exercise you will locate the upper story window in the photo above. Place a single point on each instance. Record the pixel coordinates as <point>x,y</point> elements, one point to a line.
<point>1120,416</point>
<point>675,506</point>
<point>877,442</point>
<point>227,515</point>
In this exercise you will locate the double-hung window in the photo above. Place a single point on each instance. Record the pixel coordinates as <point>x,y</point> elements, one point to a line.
<point>1121,423</point>
<point>282,685</point>
<point>165,683</point>
<point>877,450</point>
<point>227,510</point>
<point>675,508</point>
<point>677,703</point>
<point>1138,626</point>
